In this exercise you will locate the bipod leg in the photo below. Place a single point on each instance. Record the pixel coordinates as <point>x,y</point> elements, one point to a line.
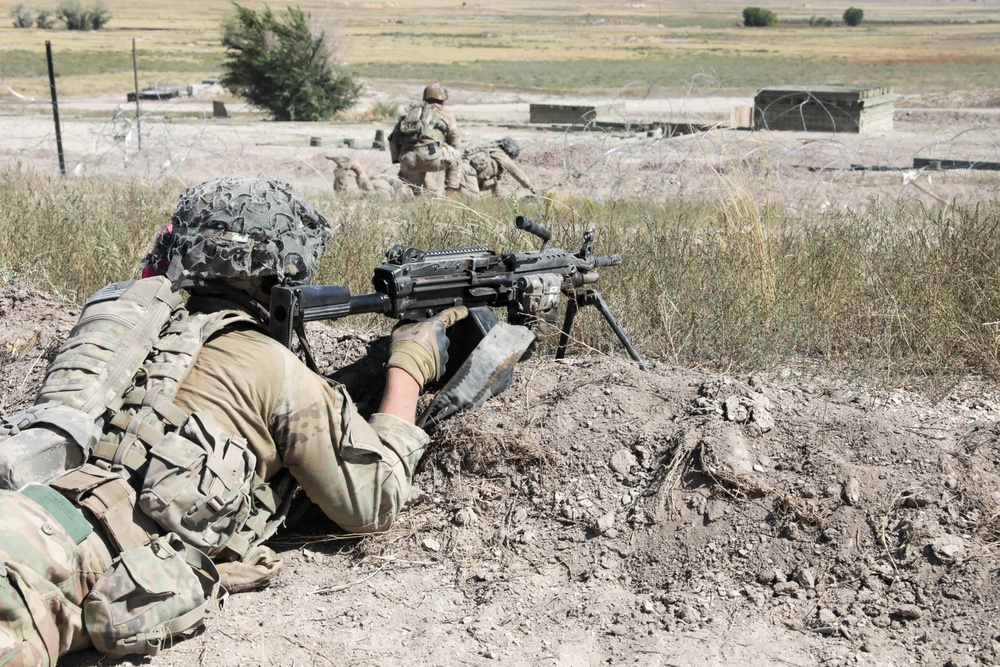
<point>594,297</point>
<point>300,329</point>
<point>571,308</point>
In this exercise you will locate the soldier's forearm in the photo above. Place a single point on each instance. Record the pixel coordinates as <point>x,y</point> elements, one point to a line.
<point>401,394</point>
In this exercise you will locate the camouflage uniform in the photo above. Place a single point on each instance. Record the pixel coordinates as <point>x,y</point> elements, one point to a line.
<point>357,472</point>
<point>423,155</point>
<point>294,422</point>
<point>391,186</point>
<point>349,175</point>
<point>482,169</point>
<point>44,577</point>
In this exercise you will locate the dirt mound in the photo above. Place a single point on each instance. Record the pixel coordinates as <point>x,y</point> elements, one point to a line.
<point>34,326</point>
<point>597,514</point>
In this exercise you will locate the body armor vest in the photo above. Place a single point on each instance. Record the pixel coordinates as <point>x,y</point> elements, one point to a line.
<point>106,433</point>
<point>485,166</point>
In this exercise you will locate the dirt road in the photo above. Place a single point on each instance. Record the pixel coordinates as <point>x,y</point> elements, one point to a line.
<point>182,143</point>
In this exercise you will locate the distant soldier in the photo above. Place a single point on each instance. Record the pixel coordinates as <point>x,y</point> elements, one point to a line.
<point>484,166</point>
<point>349,175</point>
<point>425,141</point>
<point>390,186</point>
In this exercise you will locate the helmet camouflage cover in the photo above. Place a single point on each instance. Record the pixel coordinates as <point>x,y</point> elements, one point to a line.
<point>239,227</point>
<point>509,146</point>
<point>435,92</point>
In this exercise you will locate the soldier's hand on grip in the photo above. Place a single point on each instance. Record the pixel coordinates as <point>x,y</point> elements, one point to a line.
<point>421,348</point>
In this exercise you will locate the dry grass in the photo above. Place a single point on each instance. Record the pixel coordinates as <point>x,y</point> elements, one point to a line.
<point>903,41</point>
<point>892,295</point>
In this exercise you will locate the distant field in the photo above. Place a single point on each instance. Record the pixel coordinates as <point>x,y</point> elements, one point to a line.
<point>590,45</point>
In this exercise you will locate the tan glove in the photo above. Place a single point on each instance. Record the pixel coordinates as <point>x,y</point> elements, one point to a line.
<point>421,348</point>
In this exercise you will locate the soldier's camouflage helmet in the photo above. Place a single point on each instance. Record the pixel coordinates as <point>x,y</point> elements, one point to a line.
<point>240,227</point>
<point>435,92</point>
<point>509,146</point>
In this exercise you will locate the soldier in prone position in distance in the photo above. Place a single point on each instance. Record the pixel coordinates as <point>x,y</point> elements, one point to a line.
<point>349,175</point>
<point>483,167</point>
<point>213,386</point>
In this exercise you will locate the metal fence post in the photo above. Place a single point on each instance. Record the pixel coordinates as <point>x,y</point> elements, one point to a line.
<point>55,107</point>
<point>135,74</point>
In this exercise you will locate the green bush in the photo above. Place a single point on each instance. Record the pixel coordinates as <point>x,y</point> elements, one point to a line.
<point>820,21</point>
<point>77,16</point>
<point>283,66</point>
<point>853,16</point>
<point>758,18</point>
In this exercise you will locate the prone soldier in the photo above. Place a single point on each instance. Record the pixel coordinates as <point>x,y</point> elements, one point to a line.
<point>349,175</point>
<point>168,438</point>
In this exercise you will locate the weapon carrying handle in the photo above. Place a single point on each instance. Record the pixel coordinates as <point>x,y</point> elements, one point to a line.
<point>532,227</point>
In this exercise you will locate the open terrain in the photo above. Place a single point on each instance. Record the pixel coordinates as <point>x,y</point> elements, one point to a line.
<point>594,513</point>
<point>182,143</point>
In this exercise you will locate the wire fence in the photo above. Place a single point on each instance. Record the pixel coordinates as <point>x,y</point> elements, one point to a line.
<point>647,147</point>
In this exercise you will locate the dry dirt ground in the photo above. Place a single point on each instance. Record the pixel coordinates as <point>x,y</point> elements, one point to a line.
<point>597,514</point>
<point>617,157</point>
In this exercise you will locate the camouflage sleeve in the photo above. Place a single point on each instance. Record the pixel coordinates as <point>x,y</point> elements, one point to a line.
<point>361,175</point>
<point>358,473</point>
<point>509,165</point>
<point>451,134</point>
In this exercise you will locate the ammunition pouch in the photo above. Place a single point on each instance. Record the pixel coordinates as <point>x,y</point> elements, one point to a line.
<point>110,500</point>
<point>197,483</point>
<point>150,595</point>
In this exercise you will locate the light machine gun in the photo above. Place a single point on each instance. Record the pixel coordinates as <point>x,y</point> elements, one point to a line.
<point>416,284</point>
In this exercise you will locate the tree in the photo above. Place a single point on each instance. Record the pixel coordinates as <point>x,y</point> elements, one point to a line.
<point>757,17</point>
<point>284,66</point>
<point>45,18</point>
<point>853,16</point>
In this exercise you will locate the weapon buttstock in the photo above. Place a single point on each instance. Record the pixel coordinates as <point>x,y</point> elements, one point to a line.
<point>284,306</point>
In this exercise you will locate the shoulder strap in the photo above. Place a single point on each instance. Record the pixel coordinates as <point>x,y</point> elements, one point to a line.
<point>108,345</point>
<point>142,414</point>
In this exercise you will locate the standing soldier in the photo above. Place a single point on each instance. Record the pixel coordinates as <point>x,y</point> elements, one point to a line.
<point>425,141</point>
<point>349,175</point>
<point>484,166</point>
